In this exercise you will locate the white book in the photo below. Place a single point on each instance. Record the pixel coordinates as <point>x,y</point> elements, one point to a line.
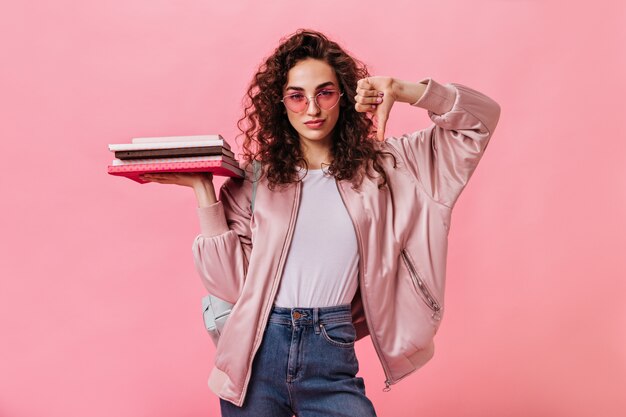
<point>176,138</point>
<point>167,145</point>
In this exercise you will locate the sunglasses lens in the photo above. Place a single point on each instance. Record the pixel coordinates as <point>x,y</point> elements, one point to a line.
<point>327,99</point>
<point>296,102</point>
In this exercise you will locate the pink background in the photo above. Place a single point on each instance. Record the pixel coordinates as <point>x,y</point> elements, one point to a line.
<point>99,298</point>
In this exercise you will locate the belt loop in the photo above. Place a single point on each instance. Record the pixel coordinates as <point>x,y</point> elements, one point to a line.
<point>316,323</point>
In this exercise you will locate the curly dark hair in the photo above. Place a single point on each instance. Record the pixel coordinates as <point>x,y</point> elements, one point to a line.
<point>271,139</point>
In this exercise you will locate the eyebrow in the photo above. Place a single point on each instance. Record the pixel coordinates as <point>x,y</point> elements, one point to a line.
<point>327,83</point>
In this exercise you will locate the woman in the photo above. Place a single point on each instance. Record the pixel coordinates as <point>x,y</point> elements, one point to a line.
<point>367,253</point>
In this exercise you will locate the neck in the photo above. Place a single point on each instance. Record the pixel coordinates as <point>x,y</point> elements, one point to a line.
<point>316,153</point>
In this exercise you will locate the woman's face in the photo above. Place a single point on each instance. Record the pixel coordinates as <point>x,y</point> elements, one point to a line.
<point>308,77</point>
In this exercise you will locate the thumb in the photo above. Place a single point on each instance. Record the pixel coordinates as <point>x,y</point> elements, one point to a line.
<point>382,124</point>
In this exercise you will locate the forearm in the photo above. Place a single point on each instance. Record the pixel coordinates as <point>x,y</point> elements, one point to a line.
<point>205,193</point>
<point>406,91</point>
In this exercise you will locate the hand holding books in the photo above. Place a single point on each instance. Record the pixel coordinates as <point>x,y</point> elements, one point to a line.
<point>174,154</point>
<point>188,179</point>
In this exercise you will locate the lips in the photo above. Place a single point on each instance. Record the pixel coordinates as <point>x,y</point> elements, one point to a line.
<point>315,123</point>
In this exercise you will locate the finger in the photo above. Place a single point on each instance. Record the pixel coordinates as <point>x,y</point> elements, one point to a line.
<point>161,175</point>
<point>161,178</point>
<point>148,177</point>
<point>157,180</point>
<point>373,99</point>
<point>368,92</point>
<point>362,108</point>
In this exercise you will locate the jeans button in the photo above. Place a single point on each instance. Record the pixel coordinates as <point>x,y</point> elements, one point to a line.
<point>296,315</point>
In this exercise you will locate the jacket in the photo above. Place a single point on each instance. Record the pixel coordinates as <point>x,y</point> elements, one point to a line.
<point>402,234</point>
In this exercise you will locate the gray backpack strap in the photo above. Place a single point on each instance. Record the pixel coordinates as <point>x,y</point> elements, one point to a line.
<point>216,311</point>
<point>255,165</point>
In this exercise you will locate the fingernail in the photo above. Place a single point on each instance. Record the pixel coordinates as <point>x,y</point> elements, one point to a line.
<point>380,93</point>
<point>379,99</point>
<point>373,106</point>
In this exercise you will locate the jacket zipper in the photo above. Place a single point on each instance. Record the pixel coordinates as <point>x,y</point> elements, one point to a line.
<point>372,334</point>
<point>276,278</point>
<point>423,290</point>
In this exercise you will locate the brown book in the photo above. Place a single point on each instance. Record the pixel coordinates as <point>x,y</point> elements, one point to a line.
<point>175,153</point>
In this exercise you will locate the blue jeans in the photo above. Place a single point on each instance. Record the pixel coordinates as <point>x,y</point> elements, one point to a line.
<point>306,365</point>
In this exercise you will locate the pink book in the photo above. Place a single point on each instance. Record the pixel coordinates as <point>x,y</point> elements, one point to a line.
<point>218,167</point>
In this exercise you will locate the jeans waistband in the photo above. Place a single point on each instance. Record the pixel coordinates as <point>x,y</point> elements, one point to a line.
<point>310,316</point>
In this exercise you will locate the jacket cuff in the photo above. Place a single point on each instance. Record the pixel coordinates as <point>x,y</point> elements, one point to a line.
<point>437,98</point>
<point>212,219</point>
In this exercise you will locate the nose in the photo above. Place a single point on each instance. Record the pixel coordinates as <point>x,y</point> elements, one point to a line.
<point>312,107</point>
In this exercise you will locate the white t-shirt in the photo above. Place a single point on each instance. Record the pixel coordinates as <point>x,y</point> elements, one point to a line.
<point>322,265</point>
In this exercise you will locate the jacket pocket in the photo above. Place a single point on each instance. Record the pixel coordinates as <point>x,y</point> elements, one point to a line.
<point>422,289</point>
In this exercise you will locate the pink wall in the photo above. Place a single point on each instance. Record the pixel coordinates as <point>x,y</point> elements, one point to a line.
<point>99,299</point>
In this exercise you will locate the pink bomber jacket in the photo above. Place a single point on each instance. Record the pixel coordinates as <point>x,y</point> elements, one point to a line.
<point>402,235</point>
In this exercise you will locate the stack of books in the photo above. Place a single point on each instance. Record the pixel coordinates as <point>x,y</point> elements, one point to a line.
<point>203,153</point>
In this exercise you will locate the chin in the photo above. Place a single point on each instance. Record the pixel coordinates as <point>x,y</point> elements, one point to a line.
<point>318,138</point>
